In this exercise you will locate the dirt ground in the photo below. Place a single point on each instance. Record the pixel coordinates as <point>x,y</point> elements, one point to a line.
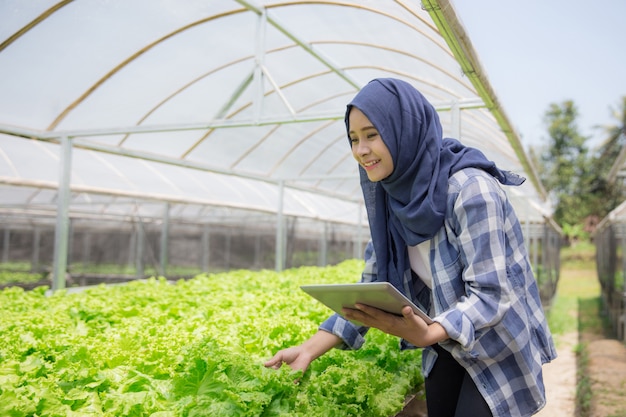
<point>605,370</point>
<point>602,375</point>
<point>559,377</point>
<point>607,373</point>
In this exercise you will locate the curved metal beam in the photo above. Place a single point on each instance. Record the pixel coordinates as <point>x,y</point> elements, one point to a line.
<point>451,29</point>
<point>33,23</point>
<point>127,61</point>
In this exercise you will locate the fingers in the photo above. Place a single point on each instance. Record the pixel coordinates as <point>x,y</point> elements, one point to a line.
<point>363,311</point>
<point>277,361</point>
<point>407,312</point>
<point>274,363</point>
<point>367,315</point>
<point>353,314</point>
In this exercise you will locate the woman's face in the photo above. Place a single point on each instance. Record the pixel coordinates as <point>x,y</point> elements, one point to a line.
<point>368,147</point>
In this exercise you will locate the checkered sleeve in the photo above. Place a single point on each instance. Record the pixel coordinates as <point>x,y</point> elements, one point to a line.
<point>351,334</point>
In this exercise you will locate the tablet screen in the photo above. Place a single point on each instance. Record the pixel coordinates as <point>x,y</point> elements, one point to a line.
<point>381,295</point>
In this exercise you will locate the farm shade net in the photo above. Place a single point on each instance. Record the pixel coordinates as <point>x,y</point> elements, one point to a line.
<point>610,241</point>
<point>130,110</point>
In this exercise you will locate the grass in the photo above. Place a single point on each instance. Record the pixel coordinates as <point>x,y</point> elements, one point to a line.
<point>578,281</point>
<point>578,299</point>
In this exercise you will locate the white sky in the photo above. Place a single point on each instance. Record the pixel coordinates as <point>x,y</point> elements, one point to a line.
<point>538,52</point>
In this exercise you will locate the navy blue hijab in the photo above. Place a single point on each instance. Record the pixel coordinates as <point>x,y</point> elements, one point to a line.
<point>409,206</point>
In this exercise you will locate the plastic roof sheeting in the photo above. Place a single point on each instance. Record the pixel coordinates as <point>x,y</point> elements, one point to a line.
<point>226,103</point>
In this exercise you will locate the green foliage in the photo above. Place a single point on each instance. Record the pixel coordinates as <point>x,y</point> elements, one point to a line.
<point>116,269</point>
<point>193,348</point>
<point>576,178</point>
<point>580,256</point>
<point>613,145</point>
<point>564,161</point>
<point>19,277</point>
<point>575,232</point>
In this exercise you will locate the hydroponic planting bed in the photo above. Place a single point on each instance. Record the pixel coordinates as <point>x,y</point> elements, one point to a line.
<point>192,348</point>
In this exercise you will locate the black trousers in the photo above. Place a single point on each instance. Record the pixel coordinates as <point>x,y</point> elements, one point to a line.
<point>450,391</point>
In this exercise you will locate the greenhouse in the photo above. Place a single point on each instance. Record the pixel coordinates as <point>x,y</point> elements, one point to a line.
<point>170,139</point>
<point>210,136</point>
<point>610,240</point>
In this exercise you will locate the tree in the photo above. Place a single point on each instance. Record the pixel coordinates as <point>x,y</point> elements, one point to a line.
<point>608,192</point>
<point>564,165</point>
<point>576,179</point>
<point>610,149</point>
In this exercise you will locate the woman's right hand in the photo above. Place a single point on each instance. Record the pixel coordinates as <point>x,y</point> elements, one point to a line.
<point>296,357</point>
<point>300,357</point>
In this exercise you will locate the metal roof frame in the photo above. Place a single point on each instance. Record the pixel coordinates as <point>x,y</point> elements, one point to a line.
<point>260,95</point>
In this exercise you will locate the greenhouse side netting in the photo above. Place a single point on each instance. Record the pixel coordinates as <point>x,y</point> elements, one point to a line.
<point>117,250</point>
<point>610,241</point>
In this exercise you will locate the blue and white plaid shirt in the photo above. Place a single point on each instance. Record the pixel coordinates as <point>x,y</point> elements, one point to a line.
<point>485,296</point>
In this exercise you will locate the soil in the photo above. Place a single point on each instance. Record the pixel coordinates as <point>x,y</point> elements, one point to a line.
<point>559,377</point>
<point>415,407</point>
<point>607,373</point>
<point>602,375</point>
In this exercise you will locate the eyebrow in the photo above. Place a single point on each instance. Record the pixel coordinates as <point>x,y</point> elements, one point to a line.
<point>363,129</point>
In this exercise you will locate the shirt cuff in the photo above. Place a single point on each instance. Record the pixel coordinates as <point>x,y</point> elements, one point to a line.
<point>350,333</point>
<point>458,327</point>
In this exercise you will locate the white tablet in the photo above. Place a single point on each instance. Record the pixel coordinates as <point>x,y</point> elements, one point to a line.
<point>381,295</point>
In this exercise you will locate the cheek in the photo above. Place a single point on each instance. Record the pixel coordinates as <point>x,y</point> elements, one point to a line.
<point>389,162</point>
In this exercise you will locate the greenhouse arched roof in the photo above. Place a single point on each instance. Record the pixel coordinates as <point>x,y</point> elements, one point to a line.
<point>228,103</point>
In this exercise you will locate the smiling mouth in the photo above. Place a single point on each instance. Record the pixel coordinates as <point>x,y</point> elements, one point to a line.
<point>370,164</point>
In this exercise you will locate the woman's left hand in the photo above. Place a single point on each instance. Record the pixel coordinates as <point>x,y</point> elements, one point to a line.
<point>409,326</point>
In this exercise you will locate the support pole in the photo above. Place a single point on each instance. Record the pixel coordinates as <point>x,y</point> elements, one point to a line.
<point>165,239</point>
<point>139,252</point>
<point>34,264</point>
<point>322,258</point>
<point>257,252</point>
<point>205,247</point>
<point>5,245</point>
<point>228,247</point>
<point>359,250</point>
<point>132,249</point>
<point>61,232</point>
<point>258,80</point>
<point>280,229</point>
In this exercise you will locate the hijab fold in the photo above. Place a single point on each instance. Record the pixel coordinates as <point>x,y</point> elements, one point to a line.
<point>409,206</point>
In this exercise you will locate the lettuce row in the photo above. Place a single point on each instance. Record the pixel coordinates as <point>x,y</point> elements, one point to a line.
<point>191,348</point>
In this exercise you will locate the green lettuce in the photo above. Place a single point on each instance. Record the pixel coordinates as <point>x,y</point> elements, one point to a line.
<point>191,348</point>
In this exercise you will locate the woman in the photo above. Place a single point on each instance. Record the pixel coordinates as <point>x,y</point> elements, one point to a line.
<point>445,234</point>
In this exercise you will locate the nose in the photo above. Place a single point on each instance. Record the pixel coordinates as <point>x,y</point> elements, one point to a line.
<point>361,148</point>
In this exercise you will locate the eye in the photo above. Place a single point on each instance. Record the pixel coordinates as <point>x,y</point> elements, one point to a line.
<point>372,135</point>
<point>354,140</point>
